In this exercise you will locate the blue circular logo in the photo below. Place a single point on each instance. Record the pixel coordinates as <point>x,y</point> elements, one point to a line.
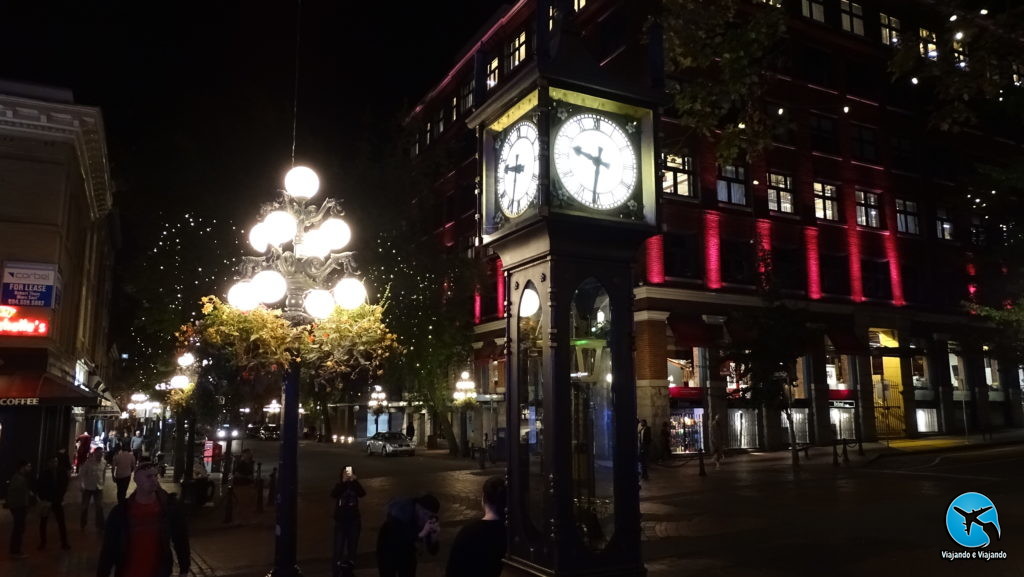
<point>972,520</point>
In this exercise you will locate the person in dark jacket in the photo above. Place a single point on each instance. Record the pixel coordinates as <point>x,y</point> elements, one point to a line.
<point>51,486</point>
<point>480,545</point>
<point>410,521</point>
<point>644,442</point>
<point>347,523</point>
<point>19,499</point>
<point>141,531</point>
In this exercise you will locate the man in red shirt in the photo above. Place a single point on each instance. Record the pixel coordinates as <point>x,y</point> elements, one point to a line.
<point>141,531</point>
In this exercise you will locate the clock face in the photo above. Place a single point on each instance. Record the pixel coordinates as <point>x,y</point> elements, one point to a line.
<point>595,160</point>
<point>517,169</point>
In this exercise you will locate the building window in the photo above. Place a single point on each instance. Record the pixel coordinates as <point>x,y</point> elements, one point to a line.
<point>813,9</point>
<point>835,274</point>
<point>780,193</point>
<point>677,176</point>
<point>429,132</point>
<point>732,184</point>
<point>943,224</point>
<point>852,16</point>
<point>865,143</point>
<point>977,230</point>
<point>517,50</point>
<point>890,29</point>
<point>442,115</point>
<point>493,69</point>
<point>1016,74</point>
<point>826,201</point>
<point>875,278</point>
<point>868,211</point>
<point>929,48</point>
<point>959,52</point>
<point>683,256</point>
<point>454,108</point>
<point>906,216</point>
<point>466,96</point>
<point>776,3</point>
<point>991,372</point>
<point>823,133</point>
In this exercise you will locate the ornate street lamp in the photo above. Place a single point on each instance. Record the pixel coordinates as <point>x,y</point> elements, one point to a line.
<point>377,404</point>
<point>301,246</point>
<point>465,393</point>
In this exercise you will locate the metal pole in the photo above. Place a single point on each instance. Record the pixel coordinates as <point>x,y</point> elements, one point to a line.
<point>285,542</point>
<point>963,409</point>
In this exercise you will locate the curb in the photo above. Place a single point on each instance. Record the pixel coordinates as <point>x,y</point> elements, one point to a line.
<point>899,453</point>
<point>201,567</point>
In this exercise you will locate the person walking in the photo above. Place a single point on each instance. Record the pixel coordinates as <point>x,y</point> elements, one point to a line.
<point>479,546</point>
<point>145,533</point>
<point>347,522</point>
<point>410,521</point>
<point>90,479</point>
<point>410,431</point>
<point>717,444</point>
<point>19,499</point>
<point>136,444</point>
<point>51,486</point>
<point>82,445</point>
<point>644,442</point>
<point>123,465</point>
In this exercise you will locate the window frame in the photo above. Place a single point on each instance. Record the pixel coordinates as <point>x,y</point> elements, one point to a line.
<point>466,95</point>
<point>890,29</point>
<point>851,16</point>
<point>822,140</point>
<point>864,149</point>
<point>928,45</point>
<point>812,9</point>
<point>682,174</point>
<point>907,214</point>
<point>737,181</point>
<point>943,224</point>
<point>825,203</point>
<point>780,186</point>
<point>493,73</point>
<point>517,51</point>
<point>869,208</point>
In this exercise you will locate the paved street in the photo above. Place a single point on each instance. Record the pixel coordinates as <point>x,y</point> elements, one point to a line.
<point>752,517</point>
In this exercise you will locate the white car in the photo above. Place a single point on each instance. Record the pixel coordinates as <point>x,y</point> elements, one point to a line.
<point>387,444</point>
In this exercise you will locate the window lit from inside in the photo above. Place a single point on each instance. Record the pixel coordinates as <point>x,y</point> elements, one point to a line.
<point>813,9</point>
<point>677,175</point>
<point>890,29</point>
<point>852,16</point>
<point>959,54</point>
<point>943,224</point>
<point>493,69</point>
<point>906,217</point>
<point>780,193</point>
<point>517,51</point>
<point>466,96</point>
<point>732,184</point>
<point>826,201</point>
<point>868,211</point>
<point>929,48</point>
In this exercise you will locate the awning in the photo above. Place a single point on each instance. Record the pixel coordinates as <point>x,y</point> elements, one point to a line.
<point>691,331</point>
<point>845,341</point>
<point>34,389</point>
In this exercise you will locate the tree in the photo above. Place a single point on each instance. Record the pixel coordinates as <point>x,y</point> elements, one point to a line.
<point>348,347</point>
<point>1009,322</point>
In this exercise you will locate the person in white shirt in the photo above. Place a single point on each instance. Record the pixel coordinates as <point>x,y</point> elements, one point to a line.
<point>124,465</point>
<point>90,478</point>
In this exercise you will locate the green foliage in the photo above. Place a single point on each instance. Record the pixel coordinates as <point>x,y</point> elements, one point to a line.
<point>256,341</point>
<point>1009,321</point>
<point>719,54</point>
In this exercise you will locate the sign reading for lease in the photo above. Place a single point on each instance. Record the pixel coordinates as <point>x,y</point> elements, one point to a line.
<point>29,284</point>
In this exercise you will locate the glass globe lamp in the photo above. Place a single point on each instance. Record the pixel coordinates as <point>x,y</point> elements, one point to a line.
<point>301,182</point>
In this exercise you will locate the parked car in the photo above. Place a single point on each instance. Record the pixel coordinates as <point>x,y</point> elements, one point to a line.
<point>270,432</point>
<point>387,444</point>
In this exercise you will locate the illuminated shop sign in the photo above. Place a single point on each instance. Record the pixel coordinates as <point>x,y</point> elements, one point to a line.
<point>10,324</point>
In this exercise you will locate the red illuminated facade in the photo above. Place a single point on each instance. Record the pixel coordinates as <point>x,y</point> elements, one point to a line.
<point>860,210</point>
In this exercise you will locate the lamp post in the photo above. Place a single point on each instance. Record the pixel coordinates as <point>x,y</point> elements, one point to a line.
<point>300,246</point>
<point>465,393</point>
<point>377,404</point>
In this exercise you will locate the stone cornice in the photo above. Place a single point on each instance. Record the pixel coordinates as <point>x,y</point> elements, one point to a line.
<point>80,125</point>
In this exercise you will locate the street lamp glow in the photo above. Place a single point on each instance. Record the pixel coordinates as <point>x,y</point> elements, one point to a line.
<point>301,182</point>
<point>465,389</point>
<point>529,304</point>
<point>243,297</point>
<point>270,286</point>
<point>314,243</point>
<point>186,360</point>
<point>179,382</point>
<point>279,227</point>
<point>319,303</point>
<point>258,238</point>
<point>349,293</point>
<point>337,233</point>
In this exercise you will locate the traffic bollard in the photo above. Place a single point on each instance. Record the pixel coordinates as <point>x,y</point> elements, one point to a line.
<point>700,460</point>
<point>229,504</point>
<point>835,454</point>
<point>846,456</point>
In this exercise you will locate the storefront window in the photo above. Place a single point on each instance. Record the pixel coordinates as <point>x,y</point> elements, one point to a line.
<point>742,428</point>
<point>956,367</point>
<point>919,371</point>
<point>799,389</point>
<point>531,407</point>
<point>799,425</point>
<point>681,371</point>
<point>927,421</point>
<point>837,371</point>
<point>991,373</point>
<point>883,338</point>
<point>593,417</point>
<point>733,381</point>
<point>687,426</point>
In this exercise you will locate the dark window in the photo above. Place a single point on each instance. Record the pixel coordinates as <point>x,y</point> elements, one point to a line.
<point>788,268</point>
<point>466,95</point>
<point>835,274</point>
<point>823,133</point>
<point>943,224</point>
<point>683,256</point>
<point>903,153</point>
<point>977,230</point>
<point>876,279</point>
<point>780,193</point>
<point>865,143</point>
<point>732,184</point>
<point>868,209</point>
<point>738,262</point>
<point>906,217</point>
<point>677,177</point>
<point>910,275</point>
<point>815,65</point>
<point>826,201</point>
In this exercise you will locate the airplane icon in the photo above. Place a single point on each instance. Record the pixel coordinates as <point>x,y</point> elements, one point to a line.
<point>971,518</point>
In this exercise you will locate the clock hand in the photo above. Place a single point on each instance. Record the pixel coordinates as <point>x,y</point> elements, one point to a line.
<point>595,159</point>
<point>515,176</point>
<point>597,170</point>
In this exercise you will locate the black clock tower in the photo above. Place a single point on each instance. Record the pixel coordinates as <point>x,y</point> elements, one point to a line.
<point>567,246</point>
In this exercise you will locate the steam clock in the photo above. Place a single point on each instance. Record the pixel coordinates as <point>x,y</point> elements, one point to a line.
<point>567,197</point>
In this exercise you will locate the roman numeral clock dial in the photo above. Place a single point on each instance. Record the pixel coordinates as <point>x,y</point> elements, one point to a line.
<point>595,161</point>
<point>517,169</point>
